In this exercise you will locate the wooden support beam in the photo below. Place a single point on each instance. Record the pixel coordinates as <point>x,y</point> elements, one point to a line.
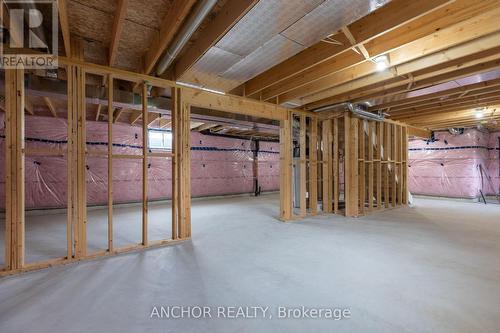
<point>361,164</point>
<point>351,132</point>
<point>14,169</point>
<point>77,198</point>
<point>471,88</point>
<point>286,160</point>
<point>28,106</point>
<point>417,132</point>
<point>405,165</point>
<point>226,18</point>
<point>145,168</point>
<point>51,107</point>
<point>360,47</point>
<point>98,112</point>
<point>110,162</point>
<point>64,22</point>
<point>336,166</point>
<point>394,142</point>
<point>387,166</point>
<point>371,164</point>
<point>328,76</point>
<point>313,165</point>
<point>119,22</point>
<point>378,164</point>
<point>118,114</point>
<point>135,116</point>
<point>179,10</point>
<point>234,104</point>
<point>307,63</point>
<point>181,207</point>
<point>303,166</point>
<point>327,165</point>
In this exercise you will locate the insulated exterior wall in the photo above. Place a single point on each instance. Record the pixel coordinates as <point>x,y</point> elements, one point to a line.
<point>219,165</point>
<point>455,165</point>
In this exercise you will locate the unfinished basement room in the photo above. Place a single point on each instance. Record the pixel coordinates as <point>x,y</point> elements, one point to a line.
<point>250,166</point>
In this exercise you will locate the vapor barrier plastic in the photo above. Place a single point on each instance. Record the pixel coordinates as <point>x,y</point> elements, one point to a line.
<point>219,165</point>
<point>459,166</point>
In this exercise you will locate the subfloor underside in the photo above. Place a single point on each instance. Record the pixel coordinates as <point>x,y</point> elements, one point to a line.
<point>433,267</point>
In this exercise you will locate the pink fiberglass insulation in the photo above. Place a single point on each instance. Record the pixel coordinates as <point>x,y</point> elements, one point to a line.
<point>453,165</point>
<point>219,165</point>
<point>494,163</point>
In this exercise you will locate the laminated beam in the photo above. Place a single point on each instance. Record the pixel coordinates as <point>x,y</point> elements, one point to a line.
<point>351,132</point>
<point>14,168</point>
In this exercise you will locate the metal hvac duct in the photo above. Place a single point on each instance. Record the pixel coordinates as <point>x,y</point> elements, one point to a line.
<point>355,109</point>
<point>199,13</point>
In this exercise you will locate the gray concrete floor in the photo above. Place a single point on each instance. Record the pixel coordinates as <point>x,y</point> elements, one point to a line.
<point>434,267</point>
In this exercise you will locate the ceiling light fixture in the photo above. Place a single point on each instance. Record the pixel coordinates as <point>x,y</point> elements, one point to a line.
<point>479,113</point>
<point>382,63</point>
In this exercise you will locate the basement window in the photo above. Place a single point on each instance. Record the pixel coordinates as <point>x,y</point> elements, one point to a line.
<point>160,140</point>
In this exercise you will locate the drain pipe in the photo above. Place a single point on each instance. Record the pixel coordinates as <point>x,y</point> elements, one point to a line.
<point>199,13</point>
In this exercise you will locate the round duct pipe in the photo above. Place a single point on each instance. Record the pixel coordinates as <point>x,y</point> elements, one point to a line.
<point>202,9</point>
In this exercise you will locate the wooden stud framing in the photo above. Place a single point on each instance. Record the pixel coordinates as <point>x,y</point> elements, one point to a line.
<point>393,165</point>
<point>145,168</point>
<point>303,167</point>
<point>370,163</point>
<point>336,163</point>
<point>362,165</point>
<point>313,165</point>
<point>286,160</point>
<point>378,162</point>
<point>387,167</point>
<point>327,166</point>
